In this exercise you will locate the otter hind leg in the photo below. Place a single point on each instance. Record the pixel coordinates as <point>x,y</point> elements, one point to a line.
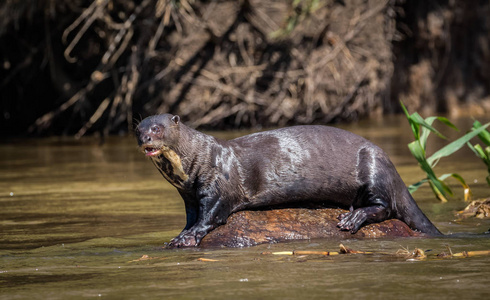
<point>356,218</point>
<point>371,204</point>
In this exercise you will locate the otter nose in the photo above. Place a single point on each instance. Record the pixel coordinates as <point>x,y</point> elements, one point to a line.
<point>146,139</point>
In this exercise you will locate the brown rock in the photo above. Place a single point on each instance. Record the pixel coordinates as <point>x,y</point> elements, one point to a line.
<point>250,228</point>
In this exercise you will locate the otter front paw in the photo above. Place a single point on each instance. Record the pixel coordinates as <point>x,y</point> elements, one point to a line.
<point>352,220</point>
<point>183,240</point>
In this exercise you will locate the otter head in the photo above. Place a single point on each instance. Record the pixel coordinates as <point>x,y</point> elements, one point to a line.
<point>158,134</point>
<point>158,137</point>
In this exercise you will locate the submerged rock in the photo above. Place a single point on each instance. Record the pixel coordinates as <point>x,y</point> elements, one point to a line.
<point>250,228</point>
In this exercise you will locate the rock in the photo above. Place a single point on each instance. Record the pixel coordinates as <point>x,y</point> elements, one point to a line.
<point>250,228</point>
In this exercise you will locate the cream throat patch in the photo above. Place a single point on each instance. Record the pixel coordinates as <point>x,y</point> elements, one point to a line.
<point>175,162</point>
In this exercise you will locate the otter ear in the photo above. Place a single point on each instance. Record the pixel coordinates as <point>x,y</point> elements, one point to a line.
<point>176,119</point>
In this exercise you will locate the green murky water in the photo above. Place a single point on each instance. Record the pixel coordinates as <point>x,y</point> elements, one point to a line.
<point>76,217</point>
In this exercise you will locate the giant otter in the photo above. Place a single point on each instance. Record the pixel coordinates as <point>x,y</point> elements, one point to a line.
<point>300,165</point>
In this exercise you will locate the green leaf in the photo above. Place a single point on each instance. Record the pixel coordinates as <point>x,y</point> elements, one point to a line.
<point>413,124</point>
<point>484,135</point>
<point>405,110</point>
<point>412,188</point>
<point>417,118</point>
<point>437,192</point>
<point>417,152</point>
<point>466,187</point>
<point>445,187</point>
<point>447,122</point>
<point>454,146</point>
<point>426,131</point>
<point>478,151</point>
<point>437,186</point>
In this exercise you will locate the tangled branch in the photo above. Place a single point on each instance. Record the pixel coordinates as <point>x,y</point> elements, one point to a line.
<point>222,63</point>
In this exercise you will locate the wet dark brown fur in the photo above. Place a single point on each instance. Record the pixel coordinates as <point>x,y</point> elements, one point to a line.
<point>299,165</point>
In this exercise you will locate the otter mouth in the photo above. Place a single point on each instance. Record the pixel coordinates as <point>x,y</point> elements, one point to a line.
<point>151,151</point>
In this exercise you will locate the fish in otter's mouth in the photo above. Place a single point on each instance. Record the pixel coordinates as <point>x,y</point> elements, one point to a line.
<point>151,151</point>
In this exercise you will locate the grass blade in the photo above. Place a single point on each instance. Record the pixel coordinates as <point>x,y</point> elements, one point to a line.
<point>438,186</point>
<point>425,131</point>
<point>420,121</point>
<point>484,135</point>
<point>437,192</point>
<point>412,188</point>
<point>478,151</point>
<point>455,146</point>
<point>466,187</point>
<point>415,127</point>
<point>447,122</point>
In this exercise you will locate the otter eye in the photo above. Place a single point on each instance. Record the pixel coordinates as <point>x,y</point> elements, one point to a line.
<point>155,129</point>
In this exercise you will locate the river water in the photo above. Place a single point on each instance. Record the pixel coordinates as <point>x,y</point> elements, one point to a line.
<point>84,220</point>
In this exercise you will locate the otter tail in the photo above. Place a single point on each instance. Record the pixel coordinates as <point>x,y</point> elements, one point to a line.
<point>413,216</point>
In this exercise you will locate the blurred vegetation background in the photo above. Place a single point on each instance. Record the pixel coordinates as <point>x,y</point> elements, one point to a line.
<point>79,67</point>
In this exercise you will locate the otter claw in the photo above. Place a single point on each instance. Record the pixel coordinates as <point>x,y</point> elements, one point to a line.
<point>182,241</point>
<point>352,221</point>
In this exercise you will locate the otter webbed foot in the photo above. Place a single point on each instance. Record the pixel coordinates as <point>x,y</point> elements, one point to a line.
<point>189,237</point>
<point>184,239</point>
<point>354,219</point>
